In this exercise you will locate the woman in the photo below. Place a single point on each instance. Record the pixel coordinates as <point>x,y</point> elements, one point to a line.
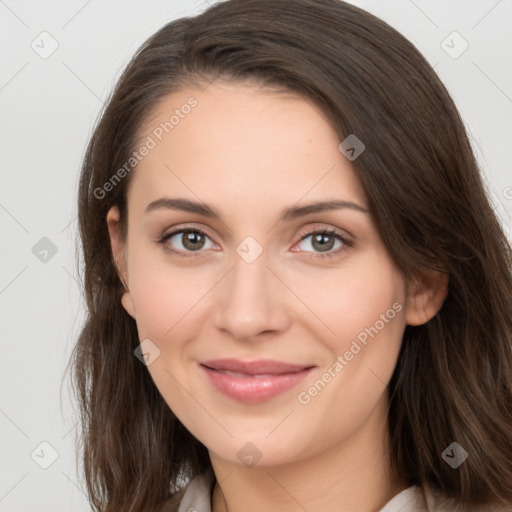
<point>298,293</point>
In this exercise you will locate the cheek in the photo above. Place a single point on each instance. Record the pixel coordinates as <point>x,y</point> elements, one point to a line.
<point>167,302</point>
<point>357,301</point>
<point>164,296</point>
<point>365,309</point>
<point>356,298</point>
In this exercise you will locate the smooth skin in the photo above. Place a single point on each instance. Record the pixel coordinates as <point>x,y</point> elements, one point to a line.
<point>250,153</point>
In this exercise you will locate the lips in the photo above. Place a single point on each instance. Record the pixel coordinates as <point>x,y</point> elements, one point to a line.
<point>261,367</point>
<point>253,381</point>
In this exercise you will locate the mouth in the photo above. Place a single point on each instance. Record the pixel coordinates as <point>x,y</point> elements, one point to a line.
<point>254,381</point>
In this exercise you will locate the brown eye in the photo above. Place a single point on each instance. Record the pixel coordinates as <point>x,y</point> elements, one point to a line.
<point>192,240</point>
<point>185,241</point>
<point>323,243</point>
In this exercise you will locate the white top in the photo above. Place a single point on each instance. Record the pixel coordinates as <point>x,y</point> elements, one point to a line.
<point>195,497</point>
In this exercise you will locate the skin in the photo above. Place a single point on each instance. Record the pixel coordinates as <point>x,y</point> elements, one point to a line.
<point>251,152</point>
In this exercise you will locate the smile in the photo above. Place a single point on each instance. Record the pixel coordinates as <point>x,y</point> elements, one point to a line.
<point>254,382</point>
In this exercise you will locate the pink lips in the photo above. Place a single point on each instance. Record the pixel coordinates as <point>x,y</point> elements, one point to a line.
<point>253,381</point>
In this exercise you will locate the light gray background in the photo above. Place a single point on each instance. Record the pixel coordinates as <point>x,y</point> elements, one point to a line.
<point>48,109</point>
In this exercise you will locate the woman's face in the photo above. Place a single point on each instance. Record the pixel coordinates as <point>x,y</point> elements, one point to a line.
<point>260,274</point>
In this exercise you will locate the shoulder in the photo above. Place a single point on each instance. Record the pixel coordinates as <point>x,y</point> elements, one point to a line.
<point>194,497</point>
<point>426,499</point>
<point>411,499</point>
<point>438,502</point>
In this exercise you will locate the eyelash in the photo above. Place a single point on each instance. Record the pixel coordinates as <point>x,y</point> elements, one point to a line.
<point>326,255</point>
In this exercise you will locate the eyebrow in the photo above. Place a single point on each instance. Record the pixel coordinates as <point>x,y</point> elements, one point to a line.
<point>288,214</point>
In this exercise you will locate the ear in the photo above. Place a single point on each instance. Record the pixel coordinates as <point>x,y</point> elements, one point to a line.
<point>425,297</point>
<point>118,253</point>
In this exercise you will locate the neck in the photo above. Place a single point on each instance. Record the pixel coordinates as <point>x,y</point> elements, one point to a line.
<point>353,476</point>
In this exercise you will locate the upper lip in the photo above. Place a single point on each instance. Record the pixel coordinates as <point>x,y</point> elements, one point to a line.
<point>263,366</point>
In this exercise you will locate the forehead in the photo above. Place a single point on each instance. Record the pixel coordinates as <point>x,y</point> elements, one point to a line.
<point>242,144</point>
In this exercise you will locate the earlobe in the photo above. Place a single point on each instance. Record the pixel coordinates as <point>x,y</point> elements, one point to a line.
<point>126,301</point>
<point>425,297</point>
<point>117,246</point>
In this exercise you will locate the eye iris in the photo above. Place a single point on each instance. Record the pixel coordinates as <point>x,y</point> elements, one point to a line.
<point>192,240</point>
<point>324,240</point>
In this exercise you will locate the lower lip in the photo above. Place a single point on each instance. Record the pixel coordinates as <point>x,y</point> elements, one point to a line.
<point>254,389</point>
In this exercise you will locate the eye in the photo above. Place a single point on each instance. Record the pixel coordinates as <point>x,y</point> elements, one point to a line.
<point>321,243</point>
<point>188,240</point>
<point>324,243</point>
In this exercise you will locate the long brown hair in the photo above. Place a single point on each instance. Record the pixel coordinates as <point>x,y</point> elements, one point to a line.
<point>453,379</point>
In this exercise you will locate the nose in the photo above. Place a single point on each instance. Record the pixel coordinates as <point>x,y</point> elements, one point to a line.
<point>251,301</point>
